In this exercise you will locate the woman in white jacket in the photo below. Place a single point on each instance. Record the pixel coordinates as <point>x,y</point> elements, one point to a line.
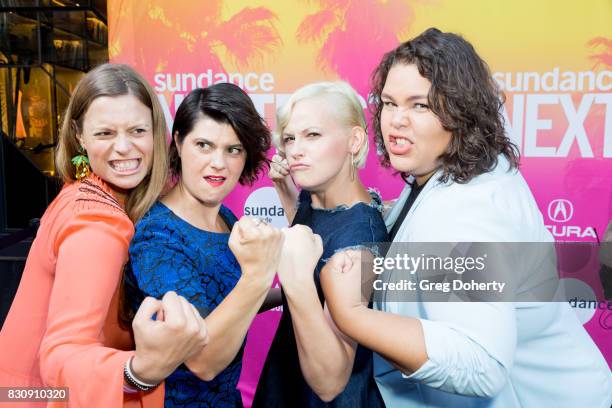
<point>437,118</point>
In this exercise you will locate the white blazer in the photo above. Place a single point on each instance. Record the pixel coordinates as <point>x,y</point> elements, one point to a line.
<point>491,354</point>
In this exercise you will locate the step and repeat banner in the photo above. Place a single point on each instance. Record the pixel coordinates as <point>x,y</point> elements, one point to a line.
<point>552,59</point>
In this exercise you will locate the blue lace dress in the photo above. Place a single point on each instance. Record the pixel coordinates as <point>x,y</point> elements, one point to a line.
<point>168,253</point>
<point>281,383</point>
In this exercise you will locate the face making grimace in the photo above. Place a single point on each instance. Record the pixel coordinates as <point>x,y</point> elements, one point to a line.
<point>117,133</point>
<point>412,132</point>
<point>212,160</point>
<point>318,145</point>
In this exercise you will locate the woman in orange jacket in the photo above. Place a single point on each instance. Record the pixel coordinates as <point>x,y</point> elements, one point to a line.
<point>62,328</point>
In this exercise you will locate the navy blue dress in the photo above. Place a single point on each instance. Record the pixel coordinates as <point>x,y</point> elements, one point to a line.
<point>281,383</point>
<point>167,253</point>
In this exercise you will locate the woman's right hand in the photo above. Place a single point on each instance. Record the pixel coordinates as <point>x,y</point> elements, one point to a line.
<point>177,333</point>
<point>279,169</point>
<point>284,185</point>
<point>257,247</point>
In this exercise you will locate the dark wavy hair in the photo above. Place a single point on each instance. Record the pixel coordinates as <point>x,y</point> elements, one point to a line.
<point>464,97</point>
<point>224,103</point>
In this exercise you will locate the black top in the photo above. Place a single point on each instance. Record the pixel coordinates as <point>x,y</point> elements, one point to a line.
<point>414,193</point>
<point>281,383</point>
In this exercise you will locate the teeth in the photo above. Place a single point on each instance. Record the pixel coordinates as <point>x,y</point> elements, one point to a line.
<point>124,164</point>
<point>400,142</point>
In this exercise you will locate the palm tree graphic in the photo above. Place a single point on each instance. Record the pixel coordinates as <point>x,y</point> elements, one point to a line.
<point>605,56</point>
<point>194,37</point>
<point>355,34</point>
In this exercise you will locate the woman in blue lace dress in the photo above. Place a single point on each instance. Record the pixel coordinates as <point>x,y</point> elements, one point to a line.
<point>183,243</point>
<point>321,131</point>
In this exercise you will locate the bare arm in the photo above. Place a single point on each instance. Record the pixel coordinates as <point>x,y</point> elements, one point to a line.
<point>227,327</point>
<point>326,355</point>
<point>454,351</point>
<point>387,334</point>
<point>257,249</point>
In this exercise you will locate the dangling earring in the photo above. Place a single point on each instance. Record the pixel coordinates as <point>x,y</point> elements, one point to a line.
<point>81,162</point>
<point>352,167</point>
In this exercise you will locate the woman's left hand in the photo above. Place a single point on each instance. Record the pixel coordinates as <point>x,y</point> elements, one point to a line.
<point>301,252</point>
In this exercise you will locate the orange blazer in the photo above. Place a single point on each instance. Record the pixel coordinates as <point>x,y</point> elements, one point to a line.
<point>62,330</point>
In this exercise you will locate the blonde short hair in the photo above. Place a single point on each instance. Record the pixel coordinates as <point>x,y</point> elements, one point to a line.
<point>348,110</point>
<point>115,80</point>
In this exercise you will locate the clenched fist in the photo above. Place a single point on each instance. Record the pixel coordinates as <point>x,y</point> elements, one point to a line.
<point>301,252</point>
<point>279,169</point>
<point>257,247</point>
<point>177,333</point>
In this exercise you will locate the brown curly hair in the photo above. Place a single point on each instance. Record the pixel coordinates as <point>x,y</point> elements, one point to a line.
<point>463,95</point>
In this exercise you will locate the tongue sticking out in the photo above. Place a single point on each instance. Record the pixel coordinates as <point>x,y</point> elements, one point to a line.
<point>399,145</point>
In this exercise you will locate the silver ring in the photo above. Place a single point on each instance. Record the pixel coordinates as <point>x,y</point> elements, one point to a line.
<point>258,221</point>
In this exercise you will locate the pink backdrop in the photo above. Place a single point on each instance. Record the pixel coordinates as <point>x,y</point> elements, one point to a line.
<point>553,62</point>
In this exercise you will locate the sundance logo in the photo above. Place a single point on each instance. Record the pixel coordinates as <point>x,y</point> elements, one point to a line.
<point>580,297</point>
<point>560,211</point>
<point>265,204</point>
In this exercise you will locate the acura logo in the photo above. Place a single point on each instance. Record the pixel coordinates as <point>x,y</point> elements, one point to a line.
<point>560,210</point>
